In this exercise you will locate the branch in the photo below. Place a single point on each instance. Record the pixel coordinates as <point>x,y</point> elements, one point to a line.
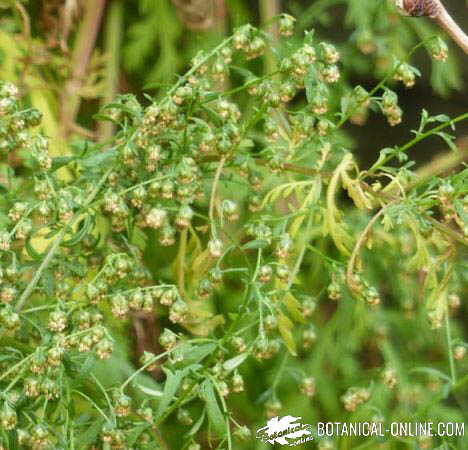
<point>85,42</point>
<point>435,10</point>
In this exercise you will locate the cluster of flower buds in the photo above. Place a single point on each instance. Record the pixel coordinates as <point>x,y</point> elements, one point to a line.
<point>16,124</point>
<point>390,108</point>
<point>266,348</point>
<point>389,378</point>
<point>250,41</point>
<point>406,74</point>
<point>354,397</point>
<point>439,49</point>
<point>307,386</point>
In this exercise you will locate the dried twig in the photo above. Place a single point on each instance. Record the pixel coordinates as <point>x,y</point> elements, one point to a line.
<point>436,10</point>
<point>84,47</point>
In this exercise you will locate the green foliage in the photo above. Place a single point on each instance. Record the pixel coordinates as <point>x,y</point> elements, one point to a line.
<point>278,275</point>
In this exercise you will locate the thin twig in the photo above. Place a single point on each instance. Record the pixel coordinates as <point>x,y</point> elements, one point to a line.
<point>360,242</point>
<point>55,245</point>
<point>26,20</point>
<point>86,40</point>
<point>214,189</point>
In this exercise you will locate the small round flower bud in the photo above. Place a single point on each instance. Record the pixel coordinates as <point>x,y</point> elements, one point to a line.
<point>205,288</point>
<point>307,386</point>
<point>147,359</point>
<point>231,210</point>
<point>439,49</point>
<point>215,247</point>
<point>329,53</point>
<point>372,296</point>
<point>85,343</point>
<point>183,416</point>
<point>459,352</point>
<point>334,291</point>
<point>255,48</point>
<point>284,246</point>
<point>168,339</point>
<point>155,218</point>
<point>239,344</point>
<point>286,25</point>
<point>309,336</point>
<point>184,217</point>
<point>57,321</point>
<point>122,405</point>
<point>104,348</point>
<point>5,241</point>
<point>178,311</point>
<point>32,387</point>
<point>242,38</point>
<point>273,408</point>
<point>8,417</point>
<point>237,383</point>
<point>454,301</point>
<point>265,273</point>
<point>270,323</point>
<point>136,300</point>
<point>223,388</point>
<point>119,306</point>
<point>167,236</point>
<point>168,296</point>
<point>389,378</point>
<point>309,304</point>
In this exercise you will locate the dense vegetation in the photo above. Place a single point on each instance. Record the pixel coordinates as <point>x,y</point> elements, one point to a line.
<point>176,268</point>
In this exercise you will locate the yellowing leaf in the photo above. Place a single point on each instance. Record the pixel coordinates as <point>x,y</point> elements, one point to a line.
<point>285,326</point>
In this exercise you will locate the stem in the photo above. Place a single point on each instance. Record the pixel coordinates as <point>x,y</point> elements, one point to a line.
<point>85,42</point>
<point>113,43</point>
<point>203,61</point>
<point>448,335</point>
<point>417,139</point>
<point>268,10</point>
<point>213,194</point>
<point>181,262</point>
<point>55,245</point>
<point>13,368</point>
<point>359,244</point>
<point>385,79</point>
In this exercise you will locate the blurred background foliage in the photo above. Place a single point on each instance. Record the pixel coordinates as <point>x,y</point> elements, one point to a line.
<point>69,57</point>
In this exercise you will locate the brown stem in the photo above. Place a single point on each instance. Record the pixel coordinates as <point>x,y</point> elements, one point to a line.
<point>86,40</point>
<point>436,10</point>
